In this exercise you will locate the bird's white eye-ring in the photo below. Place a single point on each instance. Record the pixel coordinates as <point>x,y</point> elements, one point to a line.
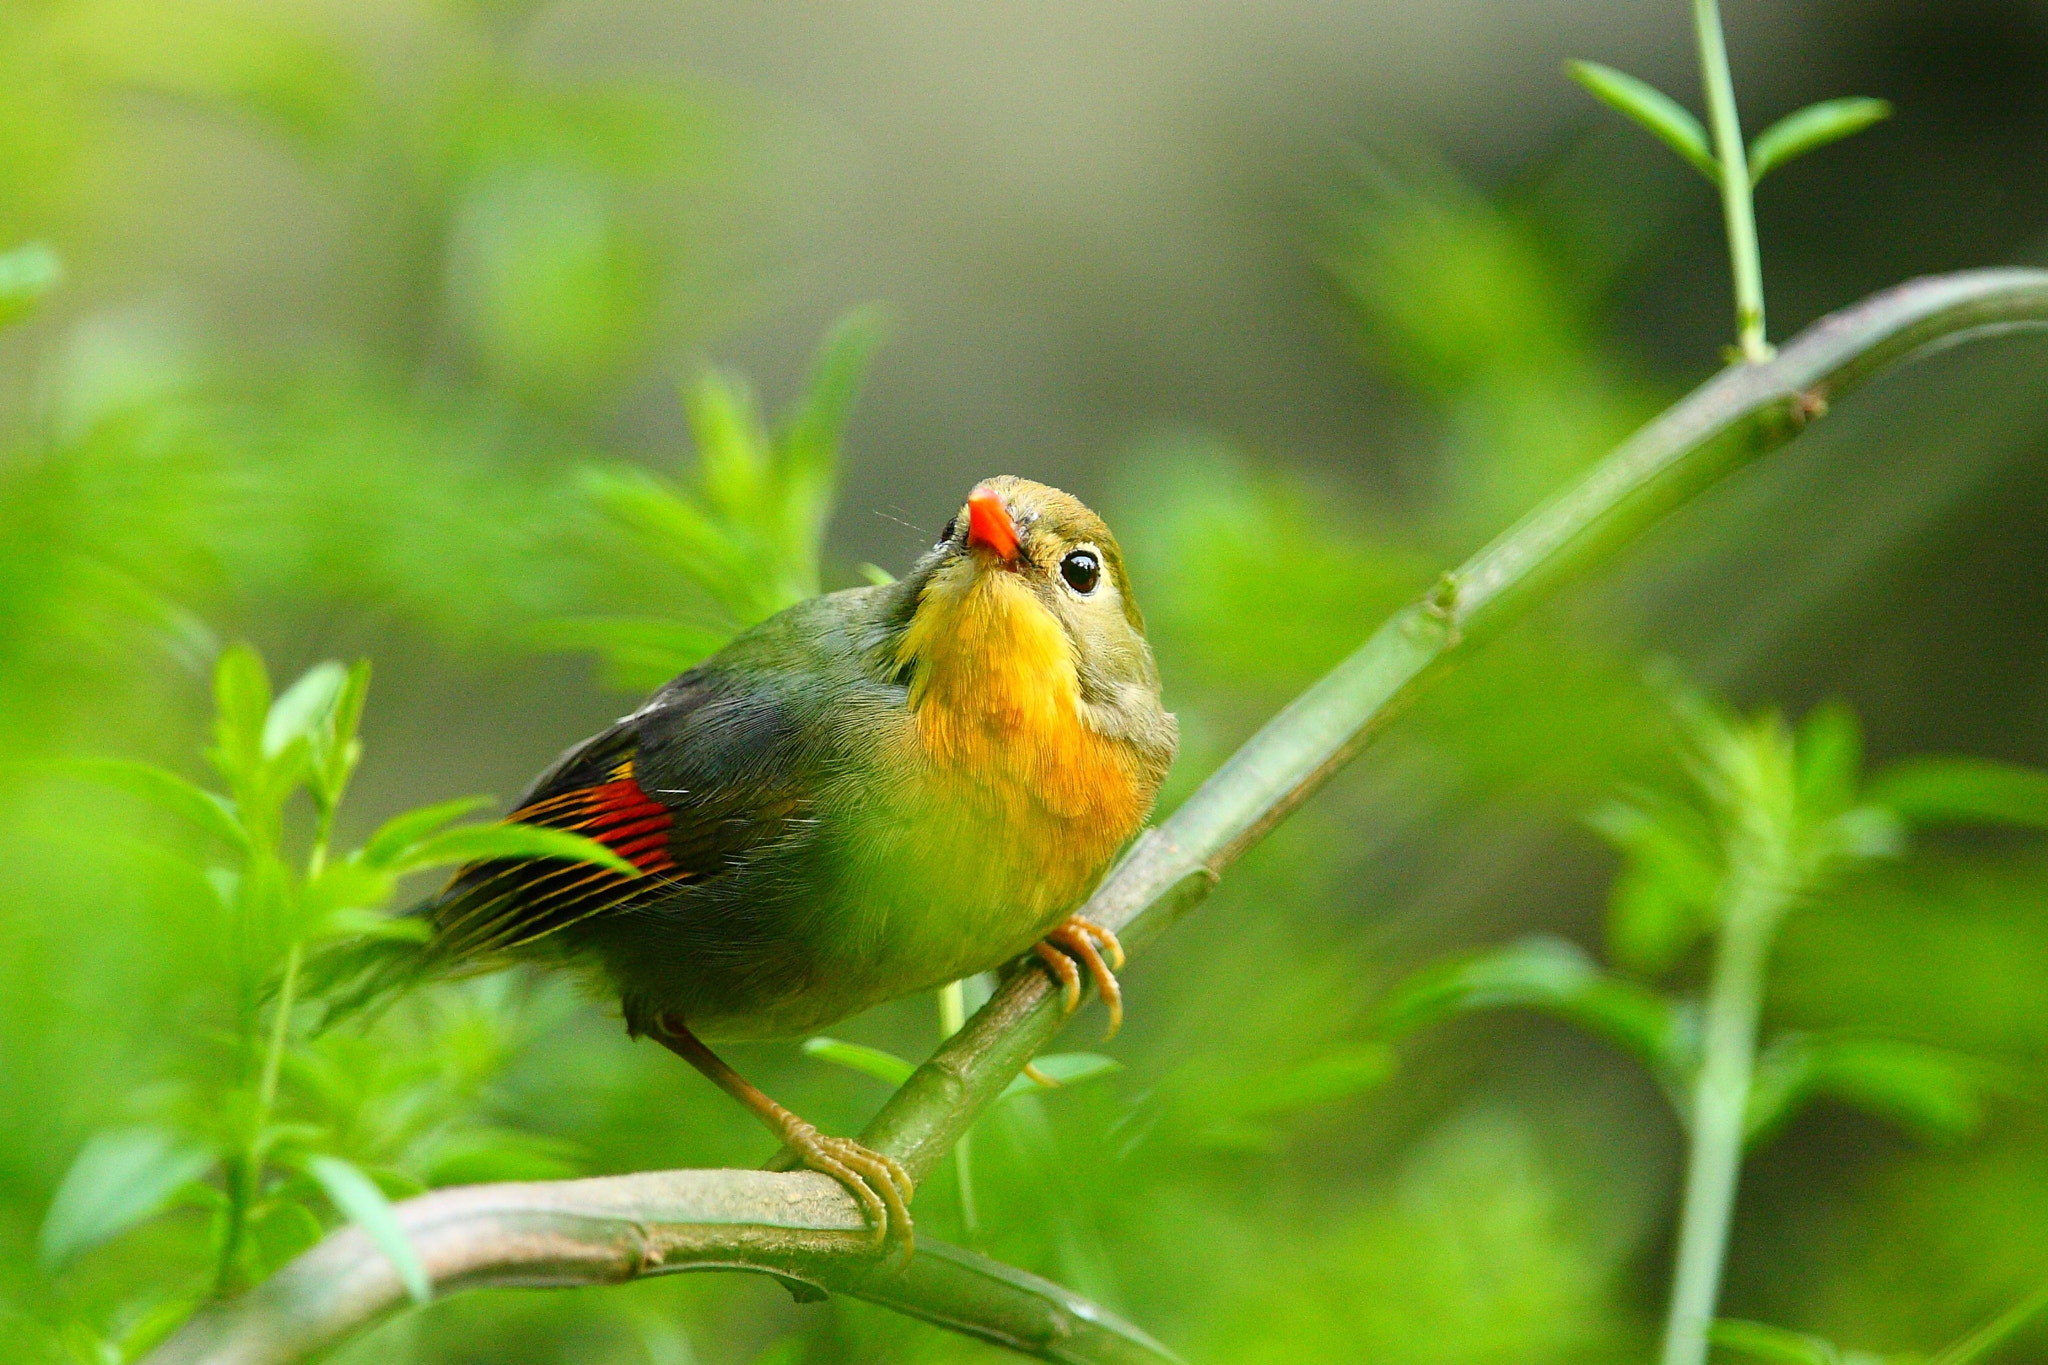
<point>1082,569</point>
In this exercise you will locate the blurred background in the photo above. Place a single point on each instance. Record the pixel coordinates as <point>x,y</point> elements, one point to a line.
<point>371,309</point>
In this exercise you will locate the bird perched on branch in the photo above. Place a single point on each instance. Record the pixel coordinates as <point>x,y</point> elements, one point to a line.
<point>872,793</point>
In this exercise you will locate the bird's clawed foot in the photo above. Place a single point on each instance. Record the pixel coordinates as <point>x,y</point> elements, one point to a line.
<point>877,1182</point>
<point>1076,939</point>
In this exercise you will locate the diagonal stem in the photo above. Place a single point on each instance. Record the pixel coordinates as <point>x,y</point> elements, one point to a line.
<point>805,1229</point>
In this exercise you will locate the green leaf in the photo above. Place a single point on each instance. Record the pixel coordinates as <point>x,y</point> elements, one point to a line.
<point>169,792</point>
<point>819,422</point>
<point>1334,1076</point>
<point>1934,1094</point>
<point>305,707</point>
<point>1775,1344</point>
<point>153,1326</point>
<point>732,449</point>
<point>1065,1069</point>
<point>869,1061</point>
<point>1550,976</point>
<point>1814,126</point>
<point>281,1229</point>
<point>335,747</point>
<point>1857,835</point>
<point>1828,757</point>
<point>1656,112</point>
<point>340,899</point>
<point>364,1204</point>
<point>241,696</point>
<point>1994,1333</point>
<point>675,530</point>
<point>480,1155</point>
<point>1662,900</point>
<point>1951,791</point>
<point>404,830</point>
<point>355,921</point>
<point>26,274</point>
<point>479,843</point>
<point>120,1178</point>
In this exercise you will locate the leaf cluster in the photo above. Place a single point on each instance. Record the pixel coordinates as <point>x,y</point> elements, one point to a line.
<point>263,1129</point>
<point>744,536</point>
<point>1672,124</point>
<point>1766,801</point>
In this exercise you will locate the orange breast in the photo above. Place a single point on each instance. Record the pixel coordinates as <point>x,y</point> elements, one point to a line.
<point>998,706</point>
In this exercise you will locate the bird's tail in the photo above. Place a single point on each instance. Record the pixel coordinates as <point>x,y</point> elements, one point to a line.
<point>359,977</point>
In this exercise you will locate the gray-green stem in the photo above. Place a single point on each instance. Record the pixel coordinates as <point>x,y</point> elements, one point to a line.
<point>803,1227</point>
<point>247,1172</point>
<point>1737,203</point>
<point>952,1014</point>
<point>1759,894</point>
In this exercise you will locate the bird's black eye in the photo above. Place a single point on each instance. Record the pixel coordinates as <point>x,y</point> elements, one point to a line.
<point>1082,570</point>
<point>946,536</point>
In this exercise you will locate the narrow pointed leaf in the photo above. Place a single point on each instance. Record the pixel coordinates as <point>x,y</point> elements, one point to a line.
<point>1551,976</point>
<point>476,843</point>
<point>1065,1068</point>
<point>241,698</point>
<point>1829,751</point>
<point>1950,791</point>
<point>732,450</point>
<point>1761,1341</point>
<point>120,1178</point>
<point>1662,900</point>
<point>362,1203</point>
<point>402,831</point>
<point>1994,1333</point>
<point>1656,112</point>
<point>1934,1094</point>
<point>886,1067</point>
<point>1814,126</point>
<point>169,792</point>
<point>304,707</point>
<point>815,428</point>
<point>336,749</point>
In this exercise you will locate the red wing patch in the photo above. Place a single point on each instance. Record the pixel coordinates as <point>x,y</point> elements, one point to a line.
<point>616,813</point>
<point>495,906</point>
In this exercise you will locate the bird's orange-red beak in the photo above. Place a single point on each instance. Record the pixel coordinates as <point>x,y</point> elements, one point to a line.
<point>988,523</point>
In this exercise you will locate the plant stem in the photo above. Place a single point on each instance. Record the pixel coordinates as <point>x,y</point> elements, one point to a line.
<point>280,1027</point>
<point>1737,207</point>
<point>1720,1108</point>
<point>245,1181</point>
<point>952,1014</point>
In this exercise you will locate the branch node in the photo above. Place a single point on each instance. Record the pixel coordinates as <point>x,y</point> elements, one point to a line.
<point>1809,404</point>
<point>1441,604</point>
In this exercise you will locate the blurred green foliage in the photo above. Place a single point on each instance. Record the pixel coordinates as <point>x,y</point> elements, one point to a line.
<point>389,422</point>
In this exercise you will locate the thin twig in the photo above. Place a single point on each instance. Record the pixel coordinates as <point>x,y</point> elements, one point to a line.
<point>805,1229</point>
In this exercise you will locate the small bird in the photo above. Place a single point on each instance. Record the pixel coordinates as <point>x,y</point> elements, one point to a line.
<point>870,794</point>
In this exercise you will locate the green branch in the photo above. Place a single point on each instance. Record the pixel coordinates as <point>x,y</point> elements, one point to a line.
<point>807,1230</point>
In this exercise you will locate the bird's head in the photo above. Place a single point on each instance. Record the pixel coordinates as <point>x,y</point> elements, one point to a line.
<point>1025,592</point>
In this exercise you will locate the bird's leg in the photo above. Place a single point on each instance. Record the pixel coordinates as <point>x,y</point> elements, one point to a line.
<point>1072,938</point>
<point>880,1184</point>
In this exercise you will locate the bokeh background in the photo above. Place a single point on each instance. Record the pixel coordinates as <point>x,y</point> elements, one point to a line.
<point>1309,299</point>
